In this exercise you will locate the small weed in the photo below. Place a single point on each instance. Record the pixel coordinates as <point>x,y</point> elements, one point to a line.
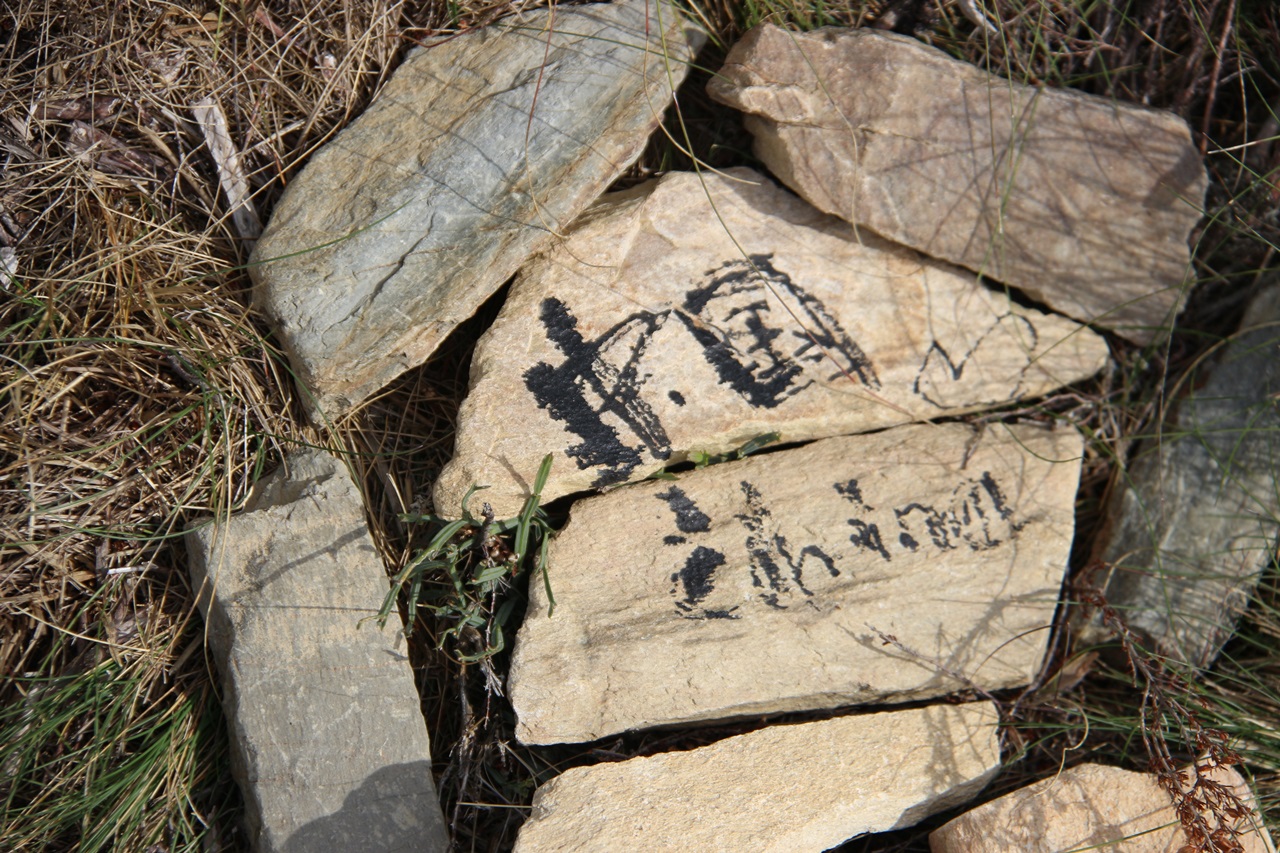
<point>701,459</point>
<point>1169,721</point>
<point>479,562</point>
<point>462,589</point>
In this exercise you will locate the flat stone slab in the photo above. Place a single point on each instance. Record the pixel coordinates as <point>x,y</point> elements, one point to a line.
<point>1199,518</point>
<point>328,741</point>
<point>1088,807</point>
<point>694,314</point>
<point>479,150</point>
<point>783,788</point>
<point>1084,203</point>
<point>763,585</point>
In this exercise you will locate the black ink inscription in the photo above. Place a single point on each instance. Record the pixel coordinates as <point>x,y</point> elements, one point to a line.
<point>689,519</point>
<point>807,551</point>
<point>935,523</point>
<point>998,499</point>
<point>976,516</point>
<point>939,370</point>
<point>852,492</point>
<point>697,580</point>
<point>730,317</point>
<point>966,520</point>
<point>766,573</point>
<point>776,567</point>
<point>762,353</point>
<point>867,536</point>
<point>599,377</point>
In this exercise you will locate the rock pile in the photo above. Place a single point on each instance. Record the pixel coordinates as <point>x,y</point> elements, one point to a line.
<point>890,558</point>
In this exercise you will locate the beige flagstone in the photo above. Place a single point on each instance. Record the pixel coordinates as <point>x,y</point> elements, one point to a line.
<point>698,312</point>
<point>1084,203</point>
<point>777,790</point>
<point>900,565</point>
<point>479,150</point>
<point>1089,807</point>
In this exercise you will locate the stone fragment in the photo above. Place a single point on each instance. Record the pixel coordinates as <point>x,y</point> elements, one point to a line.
<point>1088,807</point>
<point>479,150</point>
<point>784,788</point>
<point>1200,517</point>
<point>696,313</point>
<point>328,742</point>
<point>1084,203</point>
<point>774,583</point>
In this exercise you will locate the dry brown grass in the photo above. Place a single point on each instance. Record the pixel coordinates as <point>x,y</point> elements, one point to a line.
<point>140,391</point>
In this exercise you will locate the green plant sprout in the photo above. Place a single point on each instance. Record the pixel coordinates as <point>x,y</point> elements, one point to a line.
<point>701,459</point>
<point>480,557</point>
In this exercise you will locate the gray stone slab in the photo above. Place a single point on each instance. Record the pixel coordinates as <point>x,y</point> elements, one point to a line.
<point>695,313</point>
<point>759,586</point>
<point>481,148</point>
<point>1198,518</point>
<point>328,741</point>
<point>1082,202</point>
<point>781,789</point>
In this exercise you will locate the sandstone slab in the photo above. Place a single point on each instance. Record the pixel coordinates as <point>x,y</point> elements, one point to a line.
<point>479,150</point>
<point>1199,518</point>
<point>772,584</point>
<point>783,788</point>
<point>696,313</point>
<point>328,742</point>
<point>1084,203</point>
<point>1087,807</point>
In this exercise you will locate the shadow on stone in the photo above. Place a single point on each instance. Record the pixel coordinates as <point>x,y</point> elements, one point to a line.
<point>383,814</point>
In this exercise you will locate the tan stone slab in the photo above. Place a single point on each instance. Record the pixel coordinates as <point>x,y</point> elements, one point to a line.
<point>1088,807</point>
<point>698,313</point>
<point>759,586</point>
<point>478,151</point>
<point>1084,203</point>
<point>783,788</point>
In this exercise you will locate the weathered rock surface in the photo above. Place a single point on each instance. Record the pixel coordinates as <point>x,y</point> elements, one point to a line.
<point>762,585</point>
<point>1082,202</point>
<point>1088,807</point>
<point>783,788</point>
<point>673,319</point>
<point>329,745</point>
<point>1200,517</point>
<point>480,149</point>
